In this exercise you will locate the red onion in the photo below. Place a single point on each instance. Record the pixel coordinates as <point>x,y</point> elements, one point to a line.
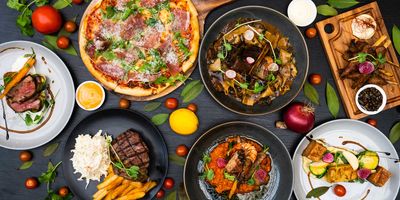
<point>363,173</point>
<point>273,67</point>
<point>248,35</point>
<point>230,74</point>
<point>221,162</point>
<point>299,117</point>
<point>328,158</point>
<point>260,175</point>
<point>250,60</point>
<point>366,67</point>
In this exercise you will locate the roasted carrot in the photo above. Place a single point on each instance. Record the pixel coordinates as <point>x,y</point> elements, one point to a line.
<point>233,189</point>
<point>19,76</point>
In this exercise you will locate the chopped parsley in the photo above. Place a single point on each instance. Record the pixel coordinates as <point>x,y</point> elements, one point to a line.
<point>155,64</point>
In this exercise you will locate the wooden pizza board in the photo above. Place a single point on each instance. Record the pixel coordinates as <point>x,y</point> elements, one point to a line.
<point>336,42</point>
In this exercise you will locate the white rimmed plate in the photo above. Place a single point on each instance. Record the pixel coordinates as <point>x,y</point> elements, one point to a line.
<point>334,133</point>
<point>61,85</point>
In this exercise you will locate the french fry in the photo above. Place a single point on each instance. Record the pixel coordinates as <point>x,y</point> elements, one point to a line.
<point>108,197</point>
<point>151,186</point>
<point>146,186</point>
<point>110,170</point>
<point>132,185</point>
<point>114,184</point>
<point>107,182</point>
<point>100,194</point>
<point>136,184</point>
<point>118,191</point>
<point>133,196</point>
<point>380,40</point>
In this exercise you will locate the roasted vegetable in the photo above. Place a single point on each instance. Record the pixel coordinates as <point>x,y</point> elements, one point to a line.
<point>368,159</point>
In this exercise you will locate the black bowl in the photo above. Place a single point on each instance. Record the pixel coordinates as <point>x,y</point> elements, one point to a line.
<point>286,27</point>
<point>114,122</point>
<point>281,175</point>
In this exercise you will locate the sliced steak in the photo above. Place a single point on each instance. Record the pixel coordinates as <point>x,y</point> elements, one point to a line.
<point>32,104</point>
<point>23,90</point>
<point>132,151</point>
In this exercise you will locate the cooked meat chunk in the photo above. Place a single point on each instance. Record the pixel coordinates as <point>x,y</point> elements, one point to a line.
<point>314,151</point>
<point>23,90</point>
<point>380,177</point>
<point>132,151</point>
<point>32,104</point>
<point>341,173</point>
<point>235,164</point>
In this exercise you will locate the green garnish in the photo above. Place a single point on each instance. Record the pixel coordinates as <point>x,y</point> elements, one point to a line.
<point>182,45</point>
<point>229,177</point>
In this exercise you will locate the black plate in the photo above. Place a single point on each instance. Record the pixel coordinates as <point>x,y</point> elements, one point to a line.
<point>281,182</point>
<point>286,27</point>
<point>114,122</point>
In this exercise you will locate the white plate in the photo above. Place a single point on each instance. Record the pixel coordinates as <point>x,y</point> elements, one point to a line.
<point>353,130</point>
<point>61,85</point>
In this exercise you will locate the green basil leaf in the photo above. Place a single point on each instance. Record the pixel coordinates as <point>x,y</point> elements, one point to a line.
<point>396,38</point>
<point>176,159</point>
<point>25,165</point>
<point>317,192</point>
<point>326,10</point>
<point>49,150</point>
<point>193,93</point>
<point>16,5</point>
<point>394,135</point>
<point>342,3</point>
<point>52,41</point>
<point>311,93</point>
<point>171,196</point>
<point>188,87</point>
<point>152,106</point>
<point>60,4</point>
<point>332,100</point>
<point>159,118</point>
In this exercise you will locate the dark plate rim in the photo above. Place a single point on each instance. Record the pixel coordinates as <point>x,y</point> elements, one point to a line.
<point>165,147</point>
<point>244,8</point>
<point>233,123</point>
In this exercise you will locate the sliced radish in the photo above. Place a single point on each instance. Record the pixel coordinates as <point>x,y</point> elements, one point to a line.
<point>366,67</point>
<point>328,158</point>
<point>221,162</point>
<point>260,175</point>
<point>250,60</point>
<point>273,67</point>
<point>248,35</point>
<point>363,173</point>
<point>230,74</point>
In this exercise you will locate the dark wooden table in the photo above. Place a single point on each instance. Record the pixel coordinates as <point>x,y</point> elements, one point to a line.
<point>210,113</point>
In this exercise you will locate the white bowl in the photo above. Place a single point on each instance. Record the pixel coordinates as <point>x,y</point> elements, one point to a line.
<point>102,91</point>
<point>384,99</point>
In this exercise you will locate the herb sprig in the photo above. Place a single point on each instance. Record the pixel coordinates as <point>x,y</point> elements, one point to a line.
<point>132,171</point>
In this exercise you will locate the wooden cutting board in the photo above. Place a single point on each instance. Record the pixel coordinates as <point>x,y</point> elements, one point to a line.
<point>335,34</point>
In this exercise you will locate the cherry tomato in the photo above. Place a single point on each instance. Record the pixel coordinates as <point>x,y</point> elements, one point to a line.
<point>192,107</point>
<point>25,156</point>
<point>181,150</point>
<point>315,79</point>
<point>46,19</point>
<point>339,190</point>
<point>77,2</point>
<point>311,32</point>
<point>70,26</point>
<point>171,103</point>
<point>31,183</point>
<point>372,122</point>
<point>169,183</point>
<point>160,194</point>
<point>62,42</point>
<point>63,191</point>
<point>124,103</point>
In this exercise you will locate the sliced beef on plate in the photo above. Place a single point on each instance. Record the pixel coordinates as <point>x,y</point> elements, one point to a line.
<point>150,3</point>
<point>33,104</point>
<point>182,20</point>
<point>23,90</point>
<point>111,69</point>
<point>132,151</point>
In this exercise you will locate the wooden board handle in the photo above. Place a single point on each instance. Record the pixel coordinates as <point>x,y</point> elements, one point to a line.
<point>206,6</point>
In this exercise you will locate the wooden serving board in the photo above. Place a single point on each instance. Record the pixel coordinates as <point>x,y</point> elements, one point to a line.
<point>337,41</point>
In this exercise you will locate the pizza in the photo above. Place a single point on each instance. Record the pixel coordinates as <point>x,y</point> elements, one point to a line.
<point>139,47</point>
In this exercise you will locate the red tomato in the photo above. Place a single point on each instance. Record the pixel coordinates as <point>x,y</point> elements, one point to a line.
<point>46,19</point>
<point>63,191</point>
<point>315,79</point>
<point>25,156</point>
<point>192,107</point>
<point>160,194</point>
<point>31,183</point>
<point>70,26</point>
<point>77,2</point>
<point>372,122</point>
<point>169,183</point>
<point>181,150</point>
<point>171,103</point>
<point>62,42</point>
<point>339,190</point>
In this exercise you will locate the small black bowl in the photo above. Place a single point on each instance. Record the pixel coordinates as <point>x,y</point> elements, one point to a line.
<point>286,27</point>
<point>114,122</point>
<point>281,175</point>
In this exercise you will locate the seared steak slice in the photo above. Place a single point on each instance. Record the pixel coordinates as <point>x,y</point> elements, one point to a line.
<point>33,104</point>
<point>23,90</point>
<point>132,151</point>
